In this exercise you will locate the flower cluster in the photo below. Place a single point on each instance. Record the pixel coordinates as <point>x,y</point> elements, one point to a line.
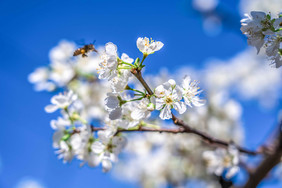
<point>169,96</point>
<point>127,108</point>
<point>73,137</point>
<point>104,102</point>
<point>222,161</point>
<point>262,30</point>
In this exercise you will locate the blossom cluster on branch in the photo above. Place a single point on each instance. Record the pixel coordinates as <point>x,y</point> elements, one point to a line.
<point>262,30</point>
<point>105,97</point>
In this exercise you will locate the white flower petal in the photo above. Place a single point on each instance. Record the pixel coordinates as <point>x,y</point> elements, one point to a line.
<point>166,113</point>
<point>97,147</point>
<point>51,108</point>
<point>180,107</point>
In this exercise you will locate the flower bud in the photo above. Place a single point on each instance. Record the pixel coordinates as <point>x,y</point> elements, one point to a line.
<point>150,107</point>
<point>172,82</point>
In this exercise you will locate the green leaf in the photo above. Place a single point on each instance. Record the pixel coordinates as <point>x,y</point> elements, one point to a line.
<point>66,137</point>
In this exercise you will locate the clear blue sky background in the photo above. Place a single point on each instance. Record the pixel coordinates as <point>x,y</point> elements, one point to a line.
<point>29,29</point>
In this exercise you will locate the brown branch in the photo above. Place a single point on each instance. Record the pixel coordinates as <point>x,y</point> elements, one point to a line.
<point>138,75</point>
<point>209,139</point>
<point>140,129</point>
<point>267,164</point>
<point>187,128</point>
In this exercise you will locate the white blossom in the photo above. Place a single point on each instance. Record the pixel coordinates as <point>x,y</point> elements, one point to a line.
<point>147,46</point>
<point>168,96</point>
<point>62,52</point>
<point>108,147</point>
<point>143,109</point>
<point>190,92</point>
<point>119,82</point>
<point>40,78</point>
<point>252,26</point>
<point>127,120</point>
<point>62,73</point>
<point>65,152</point>
<point>61,123</point>
<point>61,101</point>
<point>112,101</point>
<point>220,160</point>
<point>274,44</point>
<point>108,67</point>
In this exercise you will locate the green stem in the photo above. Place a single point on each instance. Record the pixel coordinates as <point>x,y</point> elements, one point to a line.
<point>138,99</point>
<point>127,63</point>
<point>136,90</point>
<point>124,68</point>
<point>144,57</point>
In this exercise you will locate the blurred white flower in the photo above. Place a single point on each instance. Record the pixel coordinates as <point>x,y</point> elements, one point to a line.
<point>64,151</point>
<point>62,52</point>
<point>61,101</point>
<point>40,78</point>
<point>61,123</point>
<point>61,73</point>
<point>28,182</point>
<point>108,147</point>
<point>205,5</point>
<point>272,6</point>
<point>220,160</point>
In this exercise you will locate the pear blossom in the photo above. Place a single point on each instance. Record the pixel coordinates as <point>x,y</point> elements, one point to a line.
<point>60,123</point>
<point>161,159</point>
<point>108,147</point>
<point>190,92</point>
<point>61,101</point>
<point>62,52</point>
<point>168,96</point>
<point>62,73</point>
<point>112,105</point>
<point>112,101</point>
<point>65,152</point>
<point>119,82</point>
<point>147,46</point>
<point>262,30</point>
<point>40,78</point>
<point>274,50</point>
<point>126,58</point>
<point>221,160</point>
<point>108,67</point>
<point>252,27</point>
<point>143,110</point>
<point>274,44</point>
<point>127,120</point>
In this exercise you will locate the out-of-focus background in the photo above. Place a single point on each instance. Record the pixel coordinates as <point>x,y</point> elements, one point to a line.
<point>202,34</point>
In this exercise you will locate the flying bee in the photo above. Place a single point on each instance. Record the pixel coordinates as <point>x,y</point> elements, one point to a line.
<point>84,50</point>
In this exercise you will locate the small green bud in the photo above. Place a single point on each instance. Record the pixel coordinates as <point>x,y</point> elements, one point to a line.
<point>150,107</point>
<point>66,137</point>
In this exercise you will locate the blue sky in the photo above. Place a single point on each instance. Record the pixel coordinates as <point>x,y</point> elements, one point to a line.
<point>29,29</point>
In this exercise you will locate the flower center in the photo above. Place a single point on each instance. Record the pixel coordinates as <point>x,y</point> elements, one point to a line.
<point>169,100</point>
<point>148,42</point>
<point>227,160</point>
